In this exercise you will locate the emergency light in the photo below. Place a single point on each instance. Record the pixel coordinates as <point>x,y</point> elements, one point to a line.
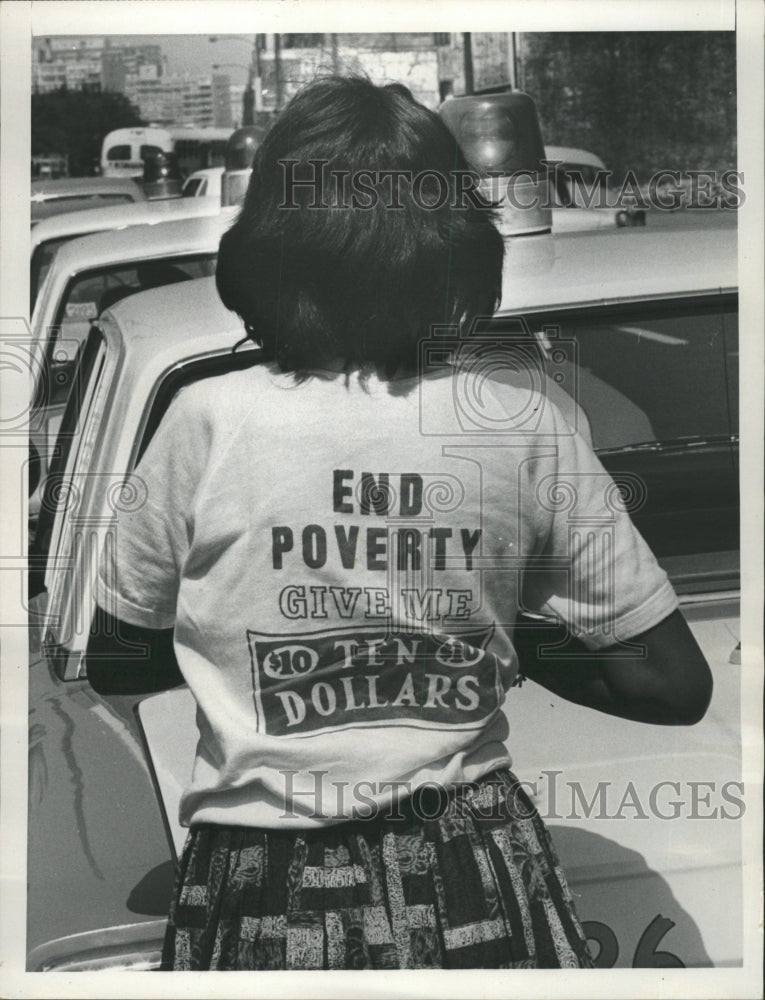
<point>240,150</point>
<point>162,175</point>
<point>502,141</point>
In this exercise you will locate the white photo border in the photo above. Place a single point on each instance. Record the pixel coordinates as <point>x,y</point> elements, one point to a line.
<point>19,21</point>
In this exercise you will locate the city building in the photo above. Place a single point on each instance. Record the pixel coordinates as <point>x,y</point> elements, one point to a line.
<point>138,71</point>
<point>222,111</point>
<point>434,65</point>
<point>165,99</point>
<point>91,62</point>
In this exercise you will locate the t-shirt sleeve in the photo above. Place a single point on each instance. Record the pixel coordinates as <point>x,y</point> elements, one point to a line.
<point>144,553</point>
<point>593,570</point>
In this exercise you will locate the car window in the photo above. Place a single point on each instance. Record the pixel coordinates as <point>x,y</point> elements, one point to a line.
<point>119,153</point>
<point>149,150</point>
<point>645,375</point>
<point>657,383</point>
<point>191,187</point>
<point>572,183</point>
<point>42,257</point>
<point>91,292</point>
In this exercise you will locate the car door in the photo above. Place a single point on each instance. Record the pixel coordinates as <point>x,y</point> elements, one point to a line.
<point>646,817</point>
<point>97,835</point>
<point>99,871</point>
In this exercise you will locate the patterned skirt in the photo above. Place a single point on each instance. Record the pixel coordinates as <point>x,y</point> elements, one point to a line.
<point>479,886</point>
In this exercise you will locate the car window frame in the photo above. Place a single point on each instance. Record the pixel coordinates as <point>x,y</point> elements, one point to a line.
<point>178,377</point>
<point>698,572</point>
<point>185,257</point>
<point>70,599</point>
<point>87,386</point>
<point>35,264</point>
<point>55,328</point>
<point>715,301</point>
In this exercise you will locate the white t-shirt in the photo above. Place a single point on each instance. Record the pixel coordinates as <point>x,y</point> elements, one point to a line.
<point>343,561</point>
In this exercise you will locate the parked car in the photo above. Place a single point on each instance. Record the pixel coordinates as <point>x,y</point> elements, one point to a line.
<point>576,168</point>
<point>641,328</point>
<point>91,273</point>
<point>50,234</point>
<point>71,194</point>
<point>582,162</point>
<point>203,183</point>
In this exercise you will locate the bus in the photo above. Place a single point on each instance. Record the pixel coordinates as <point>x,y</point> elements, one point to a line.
<point>125,150</point>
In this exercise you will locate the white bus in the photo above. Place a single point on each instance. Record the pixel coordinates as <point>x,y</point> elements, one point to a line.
<point>124,150</point>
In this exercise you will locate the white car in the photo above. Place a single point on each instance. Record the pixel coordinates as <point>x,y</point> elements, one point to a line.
<point>641,328</point>
<point>586,169</point>
<point>49,234</point>
<point>580,161</point>
<point>71,194</point>
<point>88,274</point>
<point>203,183</point>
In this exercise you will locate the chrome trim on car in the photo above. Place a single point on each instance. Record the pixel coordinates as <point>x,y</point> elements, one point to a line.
<point>132,947</point>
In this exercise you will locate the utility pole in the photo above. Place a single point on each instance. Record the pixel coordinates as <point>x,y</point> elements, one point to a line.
<point>467,51</point>
<point>258,76</point>
<point>512,60</point>
<point>278,70</point>
<point>248,102</point>
<point>519,59</point>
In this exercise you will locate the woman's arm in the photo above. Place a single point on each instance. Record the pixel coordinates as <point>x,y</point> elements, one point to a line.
<point>125,659</point>
<point>669,684</point>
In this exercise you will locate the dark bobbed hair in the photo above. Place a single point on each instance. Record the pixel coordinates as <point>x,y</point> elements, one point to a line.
<point>345,283</point>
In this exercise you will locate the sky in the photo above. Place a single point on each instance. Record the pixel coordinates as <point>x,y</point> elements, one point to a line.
<point>196,54</point>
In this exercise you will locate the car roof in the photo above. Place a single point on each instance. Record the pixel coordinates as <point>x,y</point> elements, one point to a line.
<point>576,269</point>
<point>167,315</point>
<point>133,242</point>
<point>569,154</point>
<point>118,216</point>
<point>62,187</point>
<point>541,273</point>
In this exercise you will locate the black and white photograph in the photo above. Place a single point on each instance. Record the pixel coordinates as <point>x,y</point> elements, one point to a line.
<point>382,530</point>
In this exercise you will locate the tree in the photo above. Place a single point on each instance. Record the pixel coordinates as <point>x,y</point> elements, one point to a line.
<point>75,122</point>
<point>643,101</point>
